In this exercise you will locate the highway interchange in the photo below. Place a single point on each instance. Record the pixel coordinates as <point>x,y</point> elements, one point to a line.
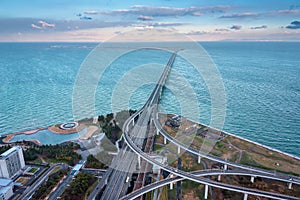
<point>151,110</point>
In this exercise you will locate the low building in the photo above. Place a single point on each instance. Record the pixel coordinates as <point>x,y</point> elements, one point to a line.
<point>174,122</point>
<point>6,188</point>
<point>11,162</point>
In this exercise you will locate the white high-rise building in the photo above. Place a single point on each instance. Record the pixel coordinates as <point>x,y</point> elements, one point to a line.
<point>11,162</point>
<point>6,188</point>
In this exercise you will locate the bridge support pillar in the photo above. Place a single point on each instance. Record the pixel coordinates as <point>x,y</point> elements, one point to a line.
<point>171,186</point>
<point>139,161</point>
<point>225,166</point>
<point>178,150</point>
<point>290,186</point>
<point>199,159</point>
<point>245,196</point>
<point>252,179</point>
<point>165,140</point>
<point>106,181</point>
<point>206,192</point>
<point>133,122</point>
<point>157,132</point>
<point>219,177</point>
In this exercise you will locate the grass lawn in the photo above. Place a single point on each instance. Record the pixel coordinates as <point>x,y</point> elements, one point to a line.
<point>33,170</point>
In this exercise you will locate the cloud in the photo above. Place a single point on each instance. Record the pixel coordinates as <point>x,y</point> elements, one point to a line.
<point>196,33</point>
<point>45,24</point>
<point>214,9</point>
<point>143,28</point>
<point>91,12</point>
<point>241,15</point>
<point>292,7</point>
<point>221,29</point>
<point>172,11</point>
<point>145,18</point>
<point>27,25</point>
<point>42,25</point>
<point>161,11</point>
<point>160,24</point>
<point>288,11</point>
<point>259,27</point>
<point>197,13</point>
<point>255,15</point>
<point>236,27</point>
<point>36,27</point>
<point>283,12</point>
<point>294,25</point>
<point>86,18</point>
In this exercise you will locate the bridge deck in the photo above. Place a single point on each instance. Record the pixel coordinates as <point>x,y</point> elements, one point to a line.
<point>125,163</point>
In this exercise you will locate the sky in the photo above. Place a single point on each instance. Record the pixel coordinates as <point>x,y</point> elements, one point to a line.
<point>99,20</point>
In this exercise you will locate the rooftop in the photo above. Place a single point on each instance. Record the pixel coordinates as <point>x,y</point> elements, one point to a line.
<point>9,151</point>
<point>77,167</point>
<point>5,182</point>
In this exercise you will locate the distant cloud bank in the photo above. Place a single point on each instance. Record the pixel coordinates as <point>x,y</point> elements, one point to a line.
<point>294,25</point>
<point>236,27</point>
<point>240,15</point>
<point>259,27</point>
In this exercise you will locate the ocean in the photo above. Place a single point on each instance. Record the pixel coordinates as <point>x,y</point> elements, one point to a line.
<point>261,80</point>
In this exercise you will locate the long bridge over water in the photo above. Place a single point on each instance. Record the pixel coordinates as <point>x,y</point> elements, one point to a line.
<point>139,132</point>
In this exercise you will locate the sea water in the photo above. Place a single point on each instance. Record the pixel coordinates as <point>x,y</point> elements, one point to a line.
<point>261,81</point>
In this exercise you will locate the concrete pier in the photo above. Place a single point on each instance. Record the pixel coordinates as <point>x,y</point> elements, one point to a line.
<point>206,192</point>
<point>139,161</point>
<point>165,140</point>
<point>199,159</point>
<point>225,166</point>
<point>289,186</point>
<point>245,196</point>
<point>171,186</point>
<point>252,179</point>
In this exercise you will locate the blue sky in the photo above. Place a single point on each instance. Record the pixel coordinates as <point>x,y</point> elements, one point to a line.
<point>94,20</point>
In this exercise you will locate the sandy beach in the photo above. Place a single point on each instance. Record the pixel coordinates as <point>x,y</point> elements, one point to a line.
<point>8,138</point>
<point>31,132</point>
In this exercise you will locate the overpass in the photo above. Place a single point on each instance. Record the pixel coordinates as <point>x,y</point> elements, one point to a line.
<point>116,181</point>
<point>137,193</point>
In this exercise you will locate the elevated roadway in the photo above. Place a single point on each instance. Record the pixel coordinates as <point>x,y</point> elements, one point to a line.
<point>117,180</point>
<point>151,109</point>
<point>165,182</point>
<point>193,177</point>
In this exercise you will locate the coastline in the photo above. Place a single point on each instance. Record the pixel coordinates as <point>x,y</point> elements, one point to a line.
<point>92,129</point>
<point>6,138</point>
<point>247,140</point>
